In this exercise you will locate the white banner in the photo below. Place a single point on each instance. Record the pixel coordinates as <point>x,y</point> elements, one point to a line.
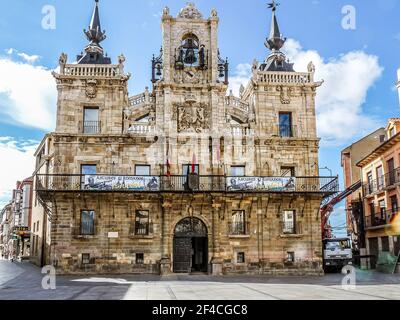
<point>280,184</point>
<point>109,183</point>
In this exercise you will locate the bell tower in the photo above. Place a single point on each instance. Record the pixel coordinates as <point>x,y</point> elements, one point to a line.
<point>190,78</point>
<point>92,92</point>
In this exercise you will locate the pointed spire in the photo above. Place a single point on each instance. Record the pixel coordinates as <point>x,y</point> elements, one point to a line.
<point>275,41</point>
<point>94,53</point>
<point>276,61</point>
<point>95,35</point>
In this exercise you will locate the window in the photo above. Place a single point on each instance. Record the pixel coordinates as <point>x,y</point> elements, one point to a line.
<point>87,222</point>
<point>142,170</point>
<point>241,257</point>
<point>91,122</point>
<point>139,258</point>
<point>238,226</point>
<point>142,223</point>
<point>372,209</point>
<point>394,204</point>
<point>238,171</point>
<point>391,171</point>
<point>290,257</point>
<point>382,208</point>
<point>85,258</point>
<point>87,170</point>
<point>288,172</point>
<point>382,138</point>
<point>369,179</point>
<point>379,175</point>
<point>187,169</point>
<point>285,125</point>
<point>289,222</point>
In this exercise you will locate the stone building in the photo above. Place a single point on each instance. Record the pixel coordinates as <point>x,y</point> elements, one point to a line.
<point>15,220</point>
<point>182,178</point>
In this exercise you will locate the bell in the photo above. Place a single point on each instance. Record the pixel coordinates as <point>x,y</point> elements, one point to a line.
<point>221,71</point>
<point>159,70</point>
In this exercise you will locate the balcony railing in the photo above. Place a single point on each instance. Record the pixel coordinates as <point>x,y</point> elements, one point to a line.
<point>381,218</point>
<point>388,180</point>
<point>287,131</point>
<point>115,183</point>
<point>90,127</point>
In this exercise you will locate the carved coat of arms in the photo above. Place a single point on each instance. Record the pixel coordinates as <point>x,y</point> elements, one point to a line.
<point>91,89</point>
<point>193,117</point>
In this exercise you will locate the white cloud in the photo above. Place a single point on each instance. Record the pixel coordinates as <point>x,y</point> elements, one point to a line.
<point>241,76</point>
<point>17,163</point>
<point>28,58</point>
<point>340,100</point>
<point>28,94</point>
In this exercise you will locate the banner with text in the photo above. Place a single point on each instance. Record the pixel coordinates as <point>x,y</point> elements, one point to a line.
<point>109,183</point>
<point>280,184</point>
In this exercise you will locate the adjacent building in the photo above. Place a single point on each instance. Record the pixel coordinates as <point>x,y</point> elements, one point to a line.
<point>181,178</point>
<point>352,176</point>
<point>381,189</point>
<point>15,222</point>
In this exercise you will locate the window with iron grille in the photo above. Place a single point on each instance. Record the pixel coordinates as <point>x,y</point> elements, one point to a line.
<point>241,257</point>
<point>142,223</point>
<point>91,123</point>
<point>85,258</point>
<point>285,125</point>
<point>238,224</point>
<point>87,222</point>
<point>289,222</point>
<point>139,258</point>
<point>290,257</point>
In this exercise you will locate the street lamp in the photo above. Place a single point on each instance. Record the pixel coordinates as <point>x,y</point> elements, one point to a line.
<point>326,168</point>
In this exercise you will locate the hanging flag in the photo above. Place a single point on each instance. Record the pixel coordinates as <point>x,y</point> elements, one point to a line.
<point>194,163</point>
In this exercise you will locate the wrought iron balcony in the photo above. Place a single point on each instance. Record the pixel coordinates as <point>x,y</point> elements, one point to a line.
<point>115,183</point>
<point>388,180</point>
<point>381,218</point>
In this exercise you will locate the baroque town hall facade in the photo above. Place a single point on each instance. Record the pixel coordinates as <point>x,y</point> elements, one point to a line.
<point>183,178</point>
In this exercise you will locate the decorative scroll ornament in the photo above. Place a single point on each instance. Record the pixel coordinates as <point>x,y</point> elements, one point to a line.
<point>193,118</point>
<point>91,89</point>
<point>190,12</point>
<point>285,94</point>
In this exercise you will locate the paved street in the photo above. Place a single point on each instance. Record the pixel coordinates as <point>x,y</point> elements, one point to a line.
<point>23,281</point>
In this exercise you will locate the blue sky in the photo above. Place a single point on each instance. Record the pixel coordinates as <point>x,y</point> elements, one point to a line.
<point>368,58</point>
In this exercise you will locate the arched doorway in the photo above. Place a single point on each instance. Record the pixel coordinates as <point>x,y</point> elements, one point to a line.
<point>190,246</point>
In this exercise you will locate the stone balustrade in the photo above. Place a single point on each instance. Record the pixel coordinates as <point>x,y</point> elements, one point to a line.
<point>285,77</point>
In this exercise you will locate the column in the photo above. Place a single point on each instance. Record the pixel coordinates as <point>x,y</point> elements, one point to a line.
<point>216,261</point>
<point>165,263</point>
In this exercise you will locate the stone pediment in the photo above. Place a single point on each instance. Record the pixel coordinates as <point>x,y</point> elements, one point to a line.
<point>190,12</point>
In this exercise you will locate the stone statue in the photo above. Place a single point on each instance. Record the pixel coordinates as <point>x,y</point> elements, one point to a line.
<point>311,67</point>
<point>166,12</point>
<point>214,13</point>
<point>63,59</point>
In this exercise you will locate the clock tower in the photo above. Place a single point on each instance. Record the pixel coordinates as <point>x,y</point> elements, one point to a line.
<point>190,77</point>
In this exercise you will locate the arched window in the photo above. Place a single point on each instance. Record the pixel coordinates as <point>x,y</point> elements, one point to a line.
<point>189,51</point>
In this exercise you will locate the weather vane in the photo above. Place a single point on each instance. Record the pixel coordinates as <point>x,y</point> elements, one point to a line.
<point>273,5</point>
